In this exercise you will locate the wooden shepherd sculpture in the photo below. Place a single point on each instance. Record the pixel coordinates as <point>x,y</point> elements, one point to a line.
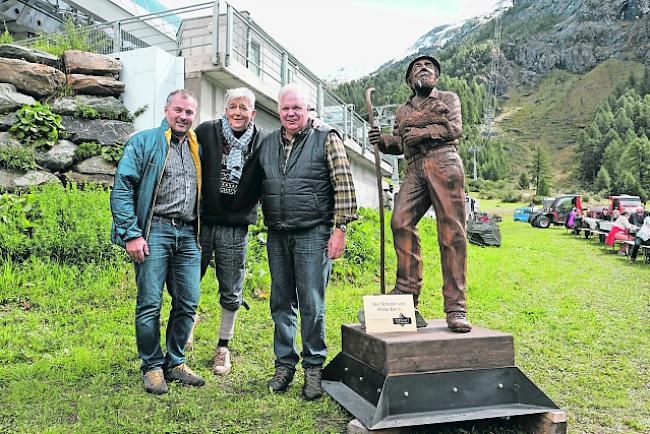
<point>427,130</point>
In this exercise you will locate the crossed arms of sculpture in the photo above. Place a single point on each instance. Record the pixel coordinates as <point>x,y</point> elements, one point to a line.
<point>439,120</point>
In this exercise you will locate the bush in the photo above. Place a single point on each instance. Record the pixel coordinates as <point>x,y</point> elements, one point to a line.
<point>112,153</point>
<point>66,224</point>
<point>361,246</point>
<point>511,196</point>
<point>87,150</point>
<point>17,158</point>
<point>86,112</point>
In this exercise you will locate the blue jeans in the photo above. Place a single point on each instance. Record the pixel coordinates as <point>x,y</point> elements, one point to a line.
<point>228,245</point>
<point>174,258</point>
<point>300,270</point>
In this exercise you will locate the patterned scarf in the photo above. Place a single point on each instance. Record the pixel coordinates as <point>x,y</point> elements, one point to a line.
<point>238,146</point>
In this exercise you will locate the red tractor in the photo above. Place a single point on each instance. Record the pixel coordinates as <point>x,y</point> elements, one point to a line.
<point>557,212</point>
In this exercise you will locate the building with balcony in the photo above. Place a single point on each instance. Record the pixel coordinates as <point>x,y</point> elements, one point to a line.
<point>212,55</point>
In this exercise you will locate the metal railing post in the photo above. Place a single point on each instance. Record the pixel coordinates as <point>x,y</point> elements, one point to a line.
<point>285,68</point>
<point>229,29</point>
<point>117,37</point>
<point>216,56</point>
<point>345,119</point>
<point>320,104</point>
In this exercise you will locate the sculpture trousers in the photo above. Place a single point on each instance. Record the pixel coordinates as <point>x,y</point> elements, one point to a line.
<point>435,179</point>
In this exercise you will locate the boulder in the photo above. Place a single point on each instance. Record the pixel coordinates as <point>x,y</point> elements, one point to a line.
<point>60,157</point>
<point>95,166</point>
<point>31,78</point>
<point>83,178</point>
<point>35,177</point>
<point>7,179</point>
<point>107,107</point>
<point>7,121</point>
<point>11,100</point>
<point>104,132</point>
<point>95,85</point>
<point>6,139</point>
<point>11,51</point>
<point>82,62</point>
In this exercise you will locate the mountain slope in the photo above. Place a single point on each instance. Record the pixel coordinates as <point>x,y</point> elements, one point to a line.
<point>553,112</point>
<point>559,60</point>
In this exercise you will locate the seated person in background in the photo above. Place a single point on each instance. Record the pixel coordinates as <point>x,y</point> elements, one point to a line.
<point>638,217</point>
<point>571,219</point>
<point>642,237</point>
<point>605,215</point>
<point>621,231</point>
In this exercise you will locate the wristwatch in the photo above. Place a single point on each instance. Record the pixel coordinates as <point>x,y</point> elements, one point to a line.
<point>343,227</point>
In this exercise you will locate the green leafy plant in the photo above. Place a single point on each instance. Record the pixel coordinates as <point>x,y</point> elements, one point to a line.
<point>87,150</point>
<point>5,37</point>
<point>86,112</point>
<point>37,126</point>
<point>17,213</point>
<point>17,158</point>
<point>72,38</point>
<point>112,153</point>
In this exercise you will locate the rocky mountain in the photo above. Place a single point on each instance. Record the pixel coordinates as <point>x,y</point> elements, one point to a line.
<point>445,34</point>
<point>574,35</point>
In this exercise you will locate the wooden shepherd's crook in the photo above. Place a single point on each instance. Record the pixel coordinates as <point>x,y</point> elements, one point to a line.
<point>380,191</point>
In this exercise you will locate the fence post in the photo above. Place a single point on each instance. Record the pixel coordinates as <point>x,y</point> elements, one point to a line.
<point>285,68</point>
<point>229,25</point>
<point>319,99</point>
<point>117,37</point>
<point>216,56</point>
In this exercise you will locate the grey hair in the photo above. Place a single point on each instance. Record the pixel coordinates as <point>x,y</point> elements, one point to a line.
<point>183,92</point>
<point>240,92</point>
<point>298,89</point>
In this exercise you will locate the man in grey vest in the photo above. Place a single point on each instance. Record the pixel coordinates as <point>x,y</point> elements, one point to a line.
<point>308,199</point>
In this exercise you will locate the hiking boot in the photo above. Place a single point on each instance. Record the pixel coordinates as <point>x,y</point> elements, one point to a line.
<point>221,365</point>
<point>281,379</point>
<point>154,381</point>
<point>419,321</point>
<point>457,322</point>
<point>183,374</point>
<point>312,389</point>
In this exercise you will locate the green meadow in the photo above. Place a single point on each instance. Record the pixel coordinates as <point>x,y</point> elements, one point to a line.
<point>579,315</point>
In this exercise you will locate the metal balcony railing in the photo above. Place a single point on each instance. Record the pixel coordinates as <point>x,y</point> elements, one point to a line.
<point>233,37</point>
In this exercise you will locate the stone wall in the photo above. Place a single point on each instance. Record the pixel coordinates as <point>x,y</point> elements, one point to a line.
<point>81,87</point>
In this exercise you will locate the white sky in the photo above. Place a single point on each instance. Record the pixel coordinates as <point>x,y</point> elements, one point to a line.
<point>326,35</point>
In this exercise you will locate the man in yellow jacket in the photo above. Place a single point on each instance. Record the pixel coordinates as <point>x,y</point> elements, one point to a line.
<point>155,204</point>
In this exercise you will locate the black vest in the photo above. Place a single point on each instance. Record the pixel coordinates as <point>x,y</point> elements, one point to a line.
<point>301,195</point>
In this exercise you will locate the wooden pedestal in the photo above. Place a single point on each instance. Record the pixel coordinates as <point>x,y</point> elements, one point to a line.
<point>432,376</point>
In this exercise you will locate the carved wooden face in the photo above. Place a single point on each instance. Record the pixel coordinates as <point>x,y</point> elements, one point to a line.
<point>424,75</point>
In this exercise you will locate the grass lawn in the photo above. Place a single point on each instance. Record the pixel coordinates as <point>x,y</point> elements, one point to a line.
<point>579,316</point>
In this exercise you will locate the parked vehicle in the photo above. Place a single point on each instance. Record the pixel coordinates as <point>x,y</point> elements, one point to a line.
<point>619,202</point>
<point>522,213</point>
<point>557,212</point>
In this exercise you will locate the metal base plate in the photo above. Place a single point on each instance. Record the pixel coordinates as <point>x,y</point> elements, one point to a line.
<point>382,401</point>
